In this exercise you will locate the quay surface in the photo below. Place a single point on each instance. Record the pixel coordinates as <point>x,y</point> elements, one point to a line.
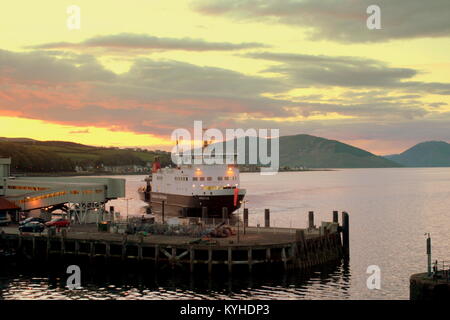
<point>286,248</point>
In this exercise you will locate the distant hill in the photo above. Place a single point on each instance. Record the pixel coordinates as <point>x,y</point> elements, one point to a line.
<point>425,154</point>
<point>16,139</point>
<point>315,152</point>
<point>59,156</point>
<point>295,152</point>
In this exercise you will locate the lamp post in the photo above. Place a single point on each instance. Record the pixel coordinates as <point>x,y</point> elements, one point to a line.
<point>127,199</point>
<point>27,199</point>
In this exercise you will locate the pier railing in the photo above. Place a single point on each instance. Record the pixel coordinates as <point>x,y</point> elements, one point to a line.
<point>442,269</point>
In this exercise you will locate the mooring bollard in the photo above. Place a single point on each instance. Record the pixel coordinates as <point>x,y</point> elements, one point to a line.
<point>335,217</point>
<point>245,217</point>
<point>345,233</point>
<point>266,218</point>
<point>311,220</point>
<point>224,214</point>
<point>204,214</point>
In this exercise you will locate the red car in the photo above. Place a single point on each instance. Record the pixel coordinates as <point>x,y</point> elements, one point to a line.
<point>58,223</point>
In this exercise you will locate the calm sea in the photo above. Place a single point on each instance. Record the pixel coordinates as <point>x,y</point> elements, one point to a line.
<point>390,212</point>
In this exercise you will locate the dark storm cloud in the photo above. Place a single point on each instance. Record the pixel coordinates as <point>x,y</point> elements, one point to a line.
<point>130,41</point>
<point>341,20</point>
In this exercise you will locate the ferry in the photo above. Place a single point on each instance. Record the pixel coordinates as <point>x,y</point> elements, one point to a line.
<point>183,190</point>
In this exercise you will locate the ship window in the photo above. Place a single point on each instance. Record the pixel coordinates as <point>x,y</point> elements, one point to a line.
<point>202,178</point>
<point>209,179</point>
<point>227,178</point>
<point>194,179</point>
<point>220,178</point>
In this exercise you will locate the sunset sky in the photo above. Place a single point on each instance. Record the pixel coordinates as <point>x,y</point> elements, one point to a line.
<point>138,69</point>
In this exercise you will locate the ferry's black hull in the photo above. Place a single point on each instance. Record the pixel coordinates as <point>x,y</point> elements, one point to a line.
<point>174,204</point>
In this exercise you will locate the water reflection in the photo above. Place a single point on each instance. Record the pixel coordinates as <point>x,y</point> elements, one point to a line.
<point>330,281</point>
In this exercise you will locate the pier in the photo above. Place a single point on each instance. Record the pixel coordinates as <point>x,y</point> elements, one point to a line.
<point>286,248</point>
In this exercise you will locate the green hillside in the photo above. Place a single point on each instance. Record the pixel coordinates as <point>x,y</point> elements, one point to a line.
<point>295,151</point>
<point>314,152</point>
<point>425,154</point>
<point>58,156</point>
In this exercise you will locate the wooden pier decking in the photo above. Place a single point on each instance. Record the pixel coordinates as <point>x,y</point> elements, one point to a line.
<point>287,248</point>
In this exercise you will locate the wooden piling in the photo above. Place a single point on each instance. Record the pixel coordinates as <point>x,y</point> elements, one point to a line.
<point>224,214</point>
<point>311,220</point>
<point>204,214</point>
<point>283,258</point>
<point>124,247</point>
<point>191,258</point>
<point>33,252</point>
<point>245,218</point>
<point>162,211</point>
<point>345,233</point>
<point>267,218</point>
<point>173,257</point>
<point>140,255</point>
<point>335,217</point>
<point>63,245</point>
<point>91,251</point>
<point>77,248</point>
<point>47,252</point>
<point>107,250</point>
<point>300,236</point>
<point>156,254</point>
<point>250,260</point>
<point>19,243</point>
<point>210,252</point>
<point>230,260</point>
<point>268,255</point>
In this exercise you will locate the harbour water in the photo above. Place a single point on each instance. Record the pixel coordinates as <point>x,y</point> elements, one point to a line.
<point>390,212</point>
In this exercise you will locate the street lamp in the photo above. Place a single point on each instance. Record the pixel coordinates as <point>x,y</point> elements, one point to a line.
<point>127,199</point>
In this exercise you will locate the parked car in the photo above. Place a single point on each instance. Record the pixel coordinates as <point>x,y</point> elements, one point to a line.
<point>31,219</point>
<point>58,223</point>
<point>4,221</point>
<point>33,226</point>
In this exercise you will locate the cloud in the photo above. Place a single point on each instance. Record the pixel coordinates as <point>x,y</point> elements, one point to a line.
<point>79,131</point>
<point>124,42</point>
<point>341,20</point>
<point>41,67</point>
<point>305,69</point>
<point>157,96</point>
<point>302,70</point>
<point>153,96</point>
